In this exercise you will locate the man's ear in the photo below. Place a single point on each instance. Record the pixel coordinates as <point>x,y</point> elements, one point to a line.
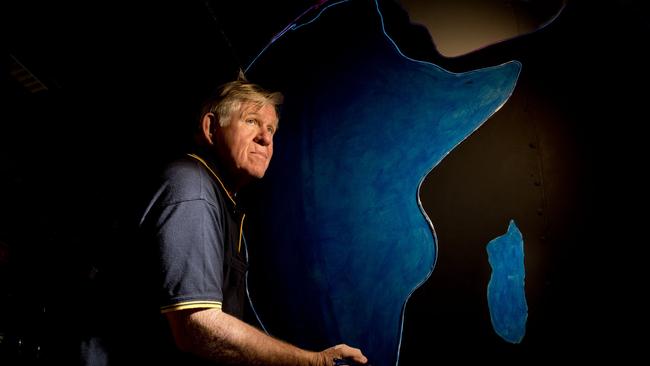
<point>209,125</point>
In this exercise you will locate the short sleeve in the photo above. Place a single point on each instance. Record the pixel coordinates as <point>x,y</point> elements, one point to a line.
<point>190,237</point>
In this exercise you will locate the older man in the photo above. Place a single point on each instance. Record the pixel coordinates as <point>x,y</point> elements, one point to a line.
<point>196,227</point>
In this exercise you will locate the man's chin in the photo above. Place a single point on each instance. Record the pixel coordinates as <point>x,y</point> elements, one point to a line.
<point>257,173</point>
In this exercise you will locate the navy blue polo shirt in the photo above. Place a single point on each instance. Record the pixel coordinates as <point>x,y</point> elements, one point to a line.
<point>198,233</point>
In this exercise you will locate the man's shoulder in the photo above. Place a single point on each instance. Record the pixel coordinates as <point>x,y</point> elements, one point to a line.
<point>182,169</point>
<point>186,179</point>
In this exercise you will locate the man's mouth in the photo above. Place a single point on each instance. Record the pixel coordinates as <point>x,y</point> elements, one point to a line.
<point>260,154</point>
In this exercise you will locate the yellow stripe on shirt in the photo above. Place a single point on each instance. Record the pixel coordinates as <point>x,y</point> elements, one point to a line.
<point>191,305</point>
<point>215,175</point>
<point>241,225</point>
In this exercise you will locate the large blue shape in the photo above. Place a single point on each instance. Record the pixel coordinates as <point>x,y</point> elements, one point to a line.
<point>337,237</point>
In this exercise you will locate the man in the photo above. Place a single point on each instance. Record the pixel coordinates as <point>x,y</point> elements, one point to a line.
<point>195,226</point>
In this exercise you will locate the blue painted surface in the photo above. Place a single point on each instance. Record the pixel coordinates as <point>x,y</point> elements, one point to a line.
<point>506,291</point>
<point>338,240</point>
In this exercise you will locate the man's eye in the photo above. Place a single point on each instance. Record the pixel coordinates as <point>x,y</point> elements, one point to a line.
<point>250,121</point>
<point>271,130</point>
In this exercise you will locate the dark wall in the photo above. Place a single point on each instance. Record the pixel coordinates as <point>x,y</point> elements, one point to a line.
<point>561,159</point>
<point>119,87</point>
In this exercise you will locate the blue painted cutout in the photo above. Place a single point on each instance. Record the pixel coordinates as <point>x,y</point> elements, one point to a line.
<point>505,291</point>
<point>337,237</point>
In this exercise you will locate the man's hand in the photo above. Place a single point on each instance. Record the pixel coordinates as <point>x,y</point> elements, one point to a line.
<point>340,352</point>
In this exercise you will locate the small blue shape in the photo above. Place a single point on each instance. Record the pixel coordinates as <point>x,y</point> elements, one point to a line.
<point>506,294</point>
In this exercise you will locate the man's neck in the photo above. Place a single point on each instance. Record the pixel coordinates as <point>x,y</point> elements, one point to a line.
<point>228,178</point>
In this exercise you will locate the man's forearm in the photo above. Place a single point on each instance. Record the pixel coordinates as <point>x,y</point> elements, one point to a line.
<point>217,336</point>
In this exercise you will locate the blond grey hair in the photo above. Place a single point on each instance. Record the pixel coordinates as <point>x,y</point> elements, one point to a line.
<point>230,97</point>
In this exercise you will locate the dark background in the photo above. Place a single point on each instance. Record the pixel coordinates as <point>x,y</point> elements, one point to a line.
<point>98,96</point>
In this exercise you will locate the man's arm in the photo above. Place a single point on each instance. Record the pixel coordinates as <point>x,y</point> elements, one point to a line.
<point>215,335</point>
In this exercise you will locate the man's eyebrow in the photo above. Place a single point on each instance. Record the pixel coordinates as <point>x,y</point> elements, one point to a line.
<point>251,114</point>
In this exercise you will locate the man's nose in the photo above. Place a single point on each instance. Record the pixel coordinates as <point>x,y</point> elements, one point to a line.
<point>264,138</point>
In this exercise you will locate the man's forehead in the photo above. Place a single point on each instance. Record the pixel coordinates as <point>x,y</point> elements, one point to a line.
<point>248,107</point>
<point>253,109</point>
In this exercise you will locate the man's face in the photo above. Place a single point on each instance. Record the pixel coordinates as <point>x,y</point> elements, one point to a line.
<point>247,141</point>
